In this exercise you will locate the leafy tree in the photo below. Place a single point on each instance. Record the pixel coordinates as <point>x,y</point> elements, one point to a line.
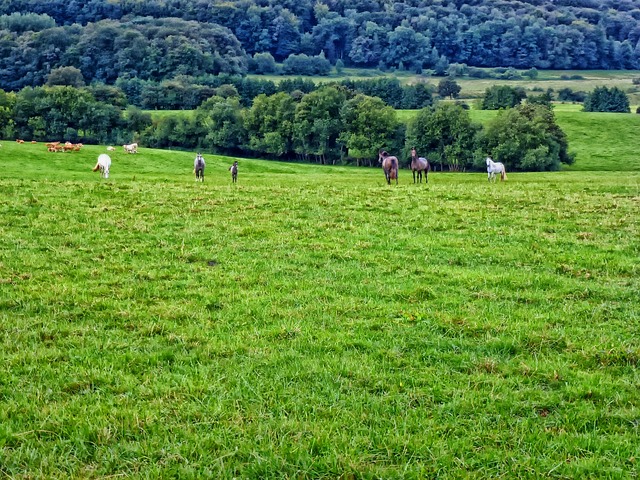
<point>263,63</point>
<point>568,95</point>
<point>526,138</point>
<point>448,87</point>
<point>318,124</point>
<point>305,65</point>
<point>445,134</point>
<point>269,124</point>
<point>368,124</point>
<point>70,76</point>
<point>417,96</point>
<point>502,96</point>
<point>222,121</point>
<point>137,120</point>
<point>604,99</point>
<point>406,47</point>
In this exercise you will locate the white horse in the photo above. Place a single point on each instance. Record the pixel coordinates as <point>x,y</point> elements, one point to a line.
<point>493,168</point>
<point>131,148</point>
<point>103,164</point>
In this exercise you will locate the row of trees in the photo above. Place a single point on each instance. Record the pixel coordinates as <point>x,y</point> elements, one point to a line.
<point>332,125</point>
<point>154,39</point>
<point>185,92</point>
<point>328,125</point>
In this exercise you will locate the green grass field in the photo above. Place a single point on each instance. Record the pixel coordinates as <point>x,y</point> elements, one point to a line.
<point>313,322</point>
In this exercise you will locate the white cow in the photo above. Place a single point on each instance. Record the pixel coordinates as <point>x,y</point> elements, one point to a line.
<point>103,164</point>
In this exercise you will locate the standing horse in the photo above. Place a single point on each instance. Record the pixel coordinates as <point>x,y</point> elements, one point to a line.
<point>389,165</point>
<point>103,164</point>
<point>493,168</point>
<point>234,172</point>
<point>419,165</point>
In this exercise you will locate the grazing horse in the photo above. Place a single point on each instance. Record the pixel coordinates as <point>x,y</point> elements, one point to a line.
<point>234,172</point>
<point>493,168</point>
<point>389,165</point>
<point>419,165</point>
<point>103,164</point>
<point>131,148</point>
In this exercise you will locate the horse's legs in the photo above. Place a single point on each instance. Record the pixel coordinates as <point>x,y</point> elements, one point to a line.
<point>414,176</point>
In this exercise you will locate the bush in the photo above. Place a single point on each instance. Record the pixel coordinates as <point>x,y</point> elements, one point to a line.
<point>604,99</point>
<point>304,65</point>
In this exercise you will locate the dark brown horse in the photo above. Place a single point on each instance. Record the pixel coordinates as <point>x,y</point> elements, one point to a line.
<point>389,165</point>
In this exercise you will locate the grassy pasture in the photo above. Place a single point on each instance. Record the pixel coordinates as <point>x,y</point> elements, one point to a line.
<point>314,322</point>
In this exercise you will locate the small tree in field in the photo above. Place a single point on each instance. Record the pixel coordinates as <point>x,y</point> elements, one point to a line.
<point>448,87</point>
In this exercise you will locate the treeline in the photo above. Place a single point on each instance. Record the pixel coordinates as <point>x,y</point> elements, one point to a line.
<point>156,39</point>
<point>331,124</point>
<point>335,125</point>
<point>186,93</point>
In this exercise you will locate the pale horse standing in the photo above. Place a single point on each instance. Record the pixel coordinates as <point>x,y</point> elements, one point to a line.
<point>493,168</point>
<point>103,164</point>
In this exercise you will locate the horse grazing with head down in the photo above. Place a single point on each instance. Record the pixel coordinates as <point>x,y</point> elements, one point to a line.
<point>419,165</point>
<point>493,168</point>
<point>389,165</point>
<point>103,164</point>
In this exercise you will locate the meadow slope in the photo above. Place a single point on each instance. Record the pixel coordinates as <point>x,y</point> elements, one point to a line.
<point>313,322</point>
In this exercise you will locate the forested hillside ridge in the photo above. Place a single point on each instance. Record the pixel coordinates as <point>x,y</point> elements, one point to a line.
<point>110,39</point>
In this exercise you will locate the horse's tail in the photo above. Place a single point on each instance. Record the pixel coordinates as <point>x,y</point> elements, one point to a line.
<point>503,174</point>
<point>394,167</point>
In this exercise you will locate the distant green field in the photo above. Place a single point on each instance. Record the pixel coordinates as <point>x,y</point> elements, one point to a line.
<point>475,88</point>
<point>313,322</point>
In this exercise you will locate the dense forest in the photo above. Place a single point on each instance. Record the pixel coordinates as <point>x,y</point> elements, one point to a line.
<point>156,40</point>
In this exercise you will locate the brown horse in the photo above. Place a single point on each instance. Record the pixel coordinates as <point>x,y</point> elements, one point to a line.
<point>419,165</point>
<point>389,165</point>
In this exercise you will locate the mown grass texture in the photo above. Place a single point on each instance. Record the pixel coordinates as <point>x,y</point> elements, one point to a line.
<point>313,322</point>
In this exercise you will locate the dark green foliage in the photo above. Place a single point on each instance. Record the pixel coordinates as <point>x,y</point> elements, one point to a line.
<point>502,96</point>
<point>305,65</point>
<point>448,87</point>
<point>150,49</point>
<point>445,135</point>
<point>156,40</point>
<point>65,113</point>
<point>70,76</point>
<point>262,63</point>
<point>369,125</point>
<point>568,95</point>
<point>388,89</point>
<point>604,99</point>
<point>526,138</point>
